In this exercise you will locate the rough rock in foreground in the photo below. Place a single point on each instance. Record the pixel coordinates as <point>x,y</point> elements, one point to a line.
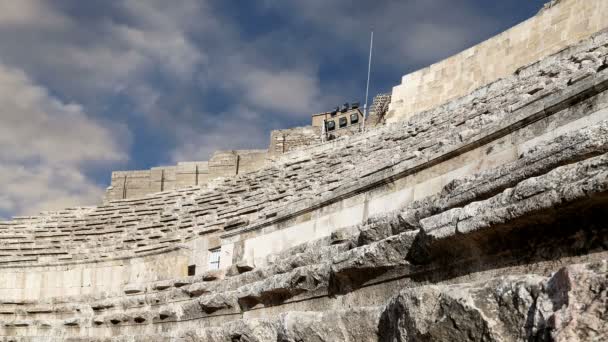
<point>571,305</point>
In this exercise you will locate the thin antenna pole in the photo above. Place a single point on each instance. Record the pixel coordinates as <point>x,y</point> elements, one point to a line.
<point>369,71</point>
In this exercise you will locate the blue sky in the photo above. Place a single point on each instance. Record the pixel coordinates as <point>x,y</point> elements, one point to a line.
<point>88,87</point>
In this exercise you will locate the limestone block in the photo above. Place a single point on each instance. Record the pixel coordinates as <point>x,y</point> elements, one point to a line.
<point>218,301</point>
<point>244,266</point>
<point>71,322</point>
<point>254,330</point>
<point>134,289</point>
<point>213,275</point>
<point>198,289</point>
<point>281,287</point>
<point>162,285</point>
<point>354,267</point>
<point>352,325</point>
<point>223,164</point>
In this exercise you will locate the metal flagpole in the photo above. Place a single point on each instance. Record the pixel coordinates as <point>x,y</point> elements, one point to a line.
<point>369,70</point>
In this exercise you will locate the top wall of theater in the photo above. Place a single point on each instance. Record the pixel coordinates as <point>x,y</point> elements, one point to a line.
<point>559,24</point>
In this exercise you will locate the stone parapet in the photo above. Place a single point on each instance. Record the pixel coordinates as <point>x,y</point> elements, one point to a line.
<point>133,184</point>
<point>287,140</point>
<point>557,26</point>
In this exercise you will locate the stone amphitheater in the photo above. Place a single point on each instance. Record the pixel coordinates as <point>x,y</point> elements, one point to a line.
<point>480,218</point>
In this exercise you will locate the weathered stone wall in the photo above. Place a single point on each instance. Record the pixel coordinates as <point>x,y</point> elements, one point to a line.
<point>110,277</point>
<point>224,163</point>
<point>287,140</point>
<point>252,160</point>
<point>191,173</point>
<point>559,25</point>
<point>133,184</point>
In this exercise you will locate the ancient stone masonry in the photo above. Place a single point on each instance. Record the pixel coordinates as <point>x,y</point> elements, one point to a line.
<point>560,24</point>
<point>287,140</point>
<point>133,184</point>
<point>479,220</point>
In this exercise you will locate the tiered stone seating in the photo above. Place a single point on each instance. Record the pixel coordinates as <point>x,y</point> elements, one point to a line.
<point>128,228</point>
<point>386,248</point>
<point>516,252</point>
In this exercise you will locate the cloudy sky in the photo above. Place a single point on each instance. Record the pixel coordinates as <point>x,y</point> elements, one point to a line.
<point>87,87</point>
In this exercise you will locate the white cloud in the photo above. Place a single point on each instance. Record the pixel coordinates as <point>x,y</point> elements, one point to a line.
<point>29,12</point>
<point>287,91</point>
<point>160,31</point>
<point>120,49</point>
<point>32,189</point>
<point>169,49</point>
<point>115,48</point>
<point>45,145</point>
<point>239,128</point>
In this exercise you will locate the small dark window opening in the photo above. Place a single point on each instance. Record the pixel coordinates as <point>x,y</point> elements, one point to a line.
<point>331,125</point>
<point>354,118</point>
<point>343,122</point>
<point>191,270</point>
